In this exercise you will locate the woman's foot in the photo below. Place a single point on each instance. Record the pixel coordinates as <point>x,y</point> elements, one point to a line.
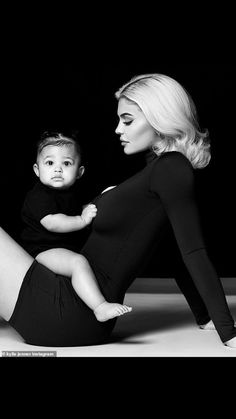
<point>107,311</point>
<point>231,343</point>
<point>210,326</point>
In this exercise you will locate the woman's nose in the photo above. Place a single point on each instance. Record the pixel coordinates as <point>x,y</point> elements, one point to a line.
<point>118,129</point>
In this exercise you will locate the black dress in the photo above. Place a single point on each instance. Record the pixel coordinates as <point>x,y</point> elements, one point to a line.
<point>131,220</point>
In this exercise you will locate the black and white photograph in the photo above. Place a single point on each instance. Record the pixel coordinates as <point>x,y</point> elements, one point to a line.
<point>118,209</point>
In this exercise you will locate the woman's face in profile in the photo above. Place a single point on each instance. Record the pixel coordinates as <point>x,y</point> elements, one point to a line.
<point>136,134</point>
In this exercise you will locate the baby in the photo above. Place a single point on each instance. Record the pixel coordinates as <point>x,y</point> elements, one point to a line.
<point>45,215</point>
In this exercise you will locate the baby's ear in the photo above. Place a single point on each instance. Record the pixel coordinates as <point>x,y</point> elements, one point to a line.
<point>80,171</point>
<point>36,169</point>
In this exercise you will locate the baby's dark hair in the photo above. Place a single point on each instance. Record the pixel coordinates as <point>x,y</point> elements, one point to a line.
<point>58,138</point>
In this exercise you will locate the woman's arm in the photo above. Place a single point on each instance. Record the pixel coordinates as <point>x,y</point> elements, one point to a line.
<point>172,180</point>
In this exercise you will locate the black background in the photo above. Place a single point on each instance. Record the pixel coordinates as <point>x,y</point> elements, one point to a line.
<point>63,82</point>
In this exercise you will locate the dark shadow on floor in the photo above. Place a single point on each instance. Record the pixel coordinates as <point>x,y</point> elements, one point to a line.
<point>142,322</point>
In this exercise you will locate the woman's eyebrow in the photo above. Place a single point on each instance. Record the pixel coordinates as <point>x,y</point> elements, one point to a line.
<point>125,114</point>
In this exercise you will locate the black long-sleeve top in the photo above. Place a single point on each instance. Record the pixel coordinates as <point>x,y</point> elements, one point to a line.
<point>132,217</point>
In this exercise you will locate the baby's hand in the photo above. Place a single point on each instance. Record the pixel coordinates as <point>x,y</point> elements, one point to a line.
<point>88,213</point>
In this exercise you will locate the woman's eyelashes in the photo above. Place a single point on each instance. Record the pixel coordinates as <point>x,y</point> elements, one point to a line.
<point>127,122</point>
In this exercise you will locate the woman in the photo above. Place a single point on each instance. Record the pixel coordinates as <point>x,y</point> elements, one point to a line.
<point>158,118</point>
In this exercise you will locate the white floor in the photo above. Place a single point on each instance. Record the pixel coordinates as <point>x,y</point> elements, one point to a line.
<point>160,325</point>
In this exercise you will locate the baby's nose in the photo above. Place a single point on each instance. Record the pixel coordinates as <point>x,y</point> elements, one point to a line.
<point>58,168</point>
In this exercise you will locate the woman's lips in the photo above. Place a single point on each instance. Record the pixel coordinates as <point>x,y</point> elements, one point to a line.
<point>123,142</point>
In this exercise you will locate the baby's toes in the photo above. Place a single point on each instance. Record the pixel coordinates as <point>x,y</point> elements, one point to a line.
<point>119,311</point>
<point>127,308</point>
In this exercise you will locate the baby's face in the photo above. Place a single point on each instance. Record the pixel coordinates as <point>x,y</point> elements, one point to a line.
<point>58,166</point>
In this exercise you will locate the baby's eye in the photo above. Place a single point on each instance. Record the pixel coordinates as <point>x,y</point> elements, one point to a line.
<point>49,162</point>
<point>67,163</point>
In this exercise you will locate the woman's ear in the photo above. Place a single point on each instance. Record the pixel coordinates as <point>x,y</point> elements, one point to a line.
<point>160,135</point>
<point>36,169</point>
<point>80,172</point>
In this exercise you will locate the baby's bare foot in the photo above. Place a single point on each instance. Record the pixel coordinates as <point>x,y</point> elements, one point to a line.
<point>107,311</point>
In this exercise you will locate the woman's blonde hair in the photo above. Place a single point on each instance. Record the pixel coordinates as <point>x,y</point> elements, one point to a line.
<point>170,110</point>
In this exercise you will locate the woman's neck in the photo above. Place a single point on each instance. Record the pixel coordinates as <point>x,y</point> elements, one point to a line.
<point>149,156</point>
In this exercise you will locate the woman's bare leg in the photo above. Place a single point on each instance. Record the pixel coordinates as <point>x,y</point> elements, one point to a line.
<point>14,263</point>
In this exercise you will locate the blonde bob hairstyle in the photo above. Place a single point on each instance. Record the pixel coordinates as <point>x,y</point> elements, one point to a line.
<point>170,110</point>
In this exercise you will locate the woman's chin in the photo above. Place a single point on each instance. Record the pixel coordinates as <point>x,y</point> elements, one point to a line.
<point>128,151</point>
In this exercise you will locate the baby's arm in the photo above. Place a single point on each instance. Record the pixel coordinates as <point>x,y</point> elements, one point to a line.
<point>61,223</point>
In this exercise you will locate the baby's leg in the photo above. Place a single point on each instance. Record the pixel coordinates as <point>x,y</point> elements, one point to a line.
<point>76,266</point>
